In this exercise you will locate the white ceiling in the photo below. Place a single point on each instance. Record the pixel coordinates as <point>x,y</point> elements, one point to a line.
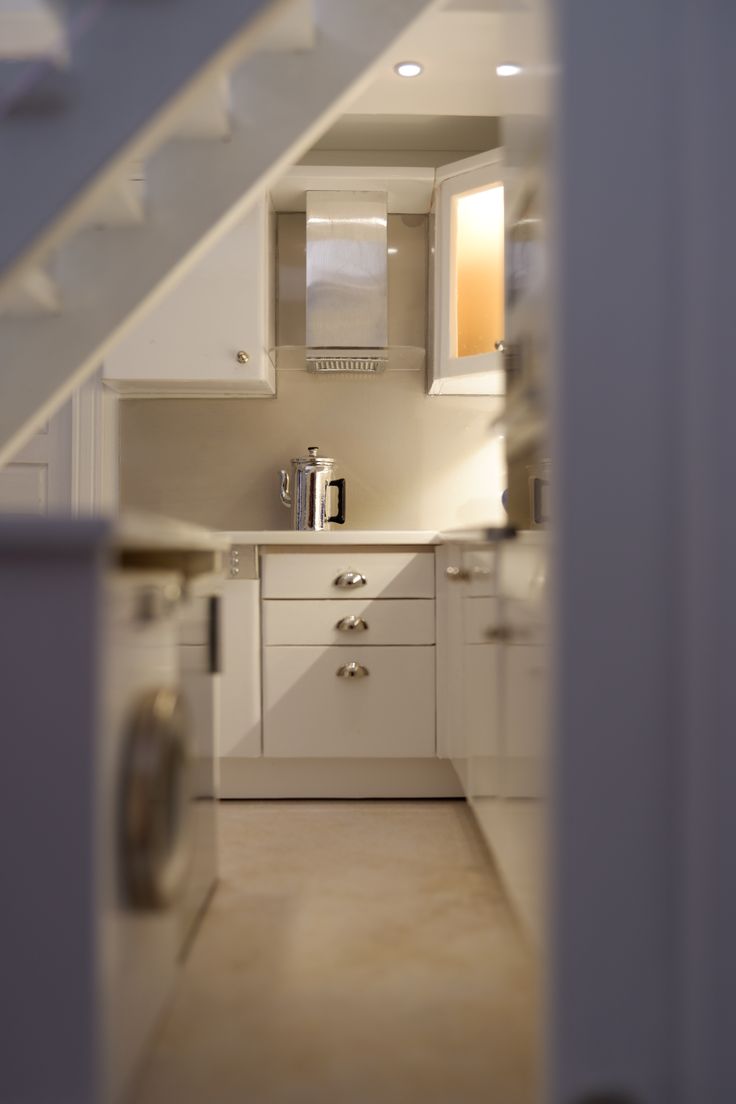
<point>459,50</point>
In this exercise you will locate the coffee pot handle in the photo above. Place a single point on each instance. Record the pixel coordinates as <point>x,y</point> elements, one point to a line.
<point>339,517</point>
<point>284,488</point>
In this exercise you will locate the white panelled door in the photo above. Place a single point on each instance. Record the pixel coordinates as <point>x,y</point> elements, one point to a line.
<point>38,480</point>
<point>71,464</point>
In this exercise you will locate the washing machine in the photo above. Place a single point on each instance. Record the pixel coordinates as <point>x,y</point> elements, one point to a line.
<point>143,846</point>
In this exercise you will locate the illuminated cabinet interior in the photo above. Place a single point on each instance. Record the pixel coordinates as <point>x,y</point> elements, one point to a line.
<point>468,277</point>
<point>477,270</point>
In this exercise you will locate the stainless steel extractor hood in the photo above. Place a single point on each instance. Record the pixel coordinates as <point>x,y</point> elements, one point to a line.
<point>347,281</point>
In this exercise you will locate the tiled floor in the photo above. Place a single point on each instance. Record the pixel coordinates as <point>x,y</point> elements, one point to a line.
<point>354,952</point>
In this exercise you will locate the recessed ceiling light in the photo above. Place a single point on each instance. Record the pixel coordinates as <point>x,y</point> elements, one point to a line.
<point>508,69</point>
<point>408,69</point>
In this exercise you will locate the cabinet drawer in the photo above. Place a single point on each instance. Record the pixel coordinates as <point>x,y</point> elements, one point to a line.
<point>309,711</point>
<point>315,574</point>
<point>395,621</point>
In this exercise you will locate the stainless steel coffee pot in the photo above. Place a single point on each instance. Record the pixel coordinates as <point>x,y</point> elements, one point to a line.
<point>306,493</point>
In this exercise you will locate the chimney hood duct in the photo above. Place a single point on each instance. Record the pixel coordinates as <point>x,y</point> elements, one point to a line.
<point>347,281</point>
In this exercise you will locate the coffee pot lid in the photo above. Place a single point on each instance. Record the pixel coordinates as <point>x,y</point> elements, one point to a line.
<point>313,458</point>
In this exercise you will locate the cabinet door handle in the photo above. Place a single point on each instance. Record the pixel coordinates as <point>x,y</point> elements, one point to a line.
<point>466,574</point>
<point>500,634</point>
<point>350,579</point>
<point>457,574</point>
<point>605,1097</point>
<point>352,670</point>
<point>507,634</point>
<point>352,624</point>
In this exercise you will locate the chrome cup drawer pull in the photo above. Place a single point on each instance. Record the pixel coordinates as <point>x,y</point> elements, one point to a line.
<point>352,624</point>
<point>352,670</point>
<point>350,579</point>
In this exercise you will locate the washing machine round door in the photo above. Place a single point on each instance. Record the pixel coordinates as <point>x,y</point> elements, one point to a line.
<point>154,803</point>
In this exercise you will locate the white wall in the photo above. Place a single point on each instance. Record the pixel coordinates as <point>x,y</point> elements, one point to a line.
<point>410,461</point>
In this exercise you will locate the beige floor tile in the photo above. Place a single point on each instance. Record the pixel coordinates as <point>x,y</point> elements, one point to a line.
<point>354,952</point>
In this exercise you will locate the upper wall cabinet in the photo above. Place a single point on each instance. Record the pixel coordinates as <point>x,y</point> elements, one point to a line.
<point>211,333</point>
<point>468,297</point>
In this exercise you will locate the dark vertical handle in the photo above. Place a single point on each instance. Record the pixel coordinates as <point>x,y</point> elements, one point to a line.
<point>214,638</point>
<point>539,487</point>
<point>606,1098</point>
<point>339,517</point>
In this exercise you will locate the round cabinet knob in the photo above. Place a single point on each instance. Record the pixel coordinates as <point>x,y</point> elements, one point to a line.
<point>350,579</point>
<point>242,357</point>
<point>352,670</point>
<point>500,346</point>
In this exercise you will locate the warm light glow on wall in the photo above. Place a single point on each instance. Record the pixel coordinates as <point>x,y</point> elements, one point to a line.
<point>477,260</point>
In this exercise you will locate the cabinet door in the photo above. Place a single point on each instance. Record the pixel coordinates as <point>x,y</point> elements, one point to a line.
<point>240,682</point>
<point>189,342</point>
<point>450,731</point>
<point>468,276</point>
<point>466,690</point>
<point>525,719</point>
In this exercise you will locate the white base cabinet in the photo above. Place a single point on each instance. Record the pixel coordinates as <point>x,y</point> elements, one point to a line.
<point>348,656</point>
<point>330,674</point>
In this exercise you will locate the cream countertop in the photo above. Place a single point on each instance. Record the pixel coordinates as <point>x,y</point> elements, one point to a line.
<point>332,536</point>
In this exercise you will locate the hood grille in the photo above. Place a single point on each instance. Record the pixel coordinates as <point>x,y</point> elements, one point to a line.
<point>354,363</point>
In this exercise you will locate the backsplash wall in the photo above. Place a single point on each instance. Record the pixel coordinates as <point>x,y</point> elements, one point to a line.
<point>410,461</point>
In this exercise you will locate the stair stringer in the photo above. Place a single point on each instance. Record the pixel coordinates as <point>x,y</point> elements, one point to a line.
<point>196,191</point>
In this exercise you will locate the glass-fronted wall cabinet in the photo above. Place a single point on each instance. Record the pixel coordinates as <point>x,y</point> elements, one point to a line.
<point>468,277</point>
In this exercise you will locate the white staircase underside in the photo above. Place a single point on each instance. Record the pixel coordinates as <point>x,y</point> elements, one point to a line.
<point>195,189</point>
<point>133,71</point>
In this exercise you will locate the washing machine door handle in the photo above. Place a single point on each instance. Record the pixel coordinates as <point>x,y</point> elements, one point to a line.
<point>155,846</point>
